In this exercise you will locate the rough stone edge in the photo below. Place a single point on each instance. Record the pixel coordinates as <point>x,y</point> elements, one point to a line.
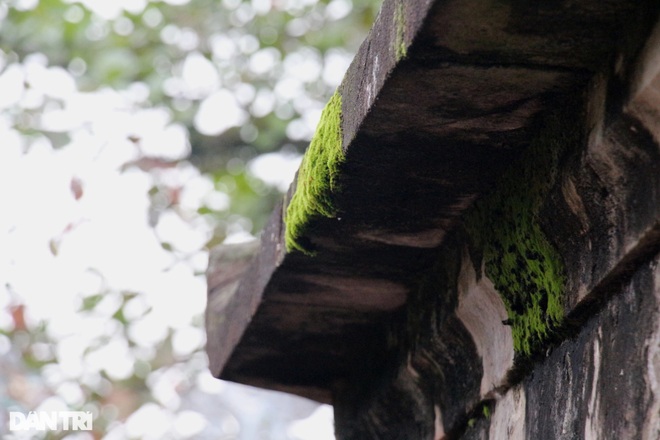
<point>245,296</point>
<point>357,100</point>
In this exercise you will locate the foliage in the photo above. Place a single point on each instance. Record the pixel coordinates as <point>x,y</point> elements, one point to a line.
<point>135,136</point>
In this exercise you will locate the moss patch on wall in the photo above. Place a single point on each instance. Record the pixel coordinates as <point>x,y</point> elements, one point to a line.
<point>524,266</point>
<point>317,178</point>
<point>400,27</point>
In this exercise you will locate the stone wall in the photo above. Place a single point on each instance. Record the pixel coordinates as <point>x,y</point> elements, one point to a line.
<point>473,355</point>
<point>480,261</point>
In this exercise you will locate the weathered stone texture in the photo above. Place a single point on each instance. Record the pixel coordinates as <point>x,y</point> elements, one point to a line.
<point>491,270</point>
<point>599,384</point>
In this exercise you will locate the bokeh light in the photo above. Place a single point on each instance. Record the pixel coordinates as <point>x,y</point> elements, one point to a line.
<point>136,135</point>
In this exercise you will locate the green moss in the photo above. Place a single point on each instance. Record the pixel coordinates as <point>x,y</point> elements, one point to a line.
<point>485,410</point>
<point>317,178</point>
<point>400,26</point>
<point>524,266</point>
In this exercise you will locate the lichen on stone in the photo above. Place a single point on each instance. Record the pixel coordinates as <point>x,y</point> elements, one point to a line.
<point>400,27</point>
<point>524,266</point>
<point>317,178</point>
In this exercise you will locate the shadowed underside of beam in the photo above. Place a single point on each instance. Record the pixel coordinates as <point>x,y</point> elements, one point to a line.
<point>440,100</point>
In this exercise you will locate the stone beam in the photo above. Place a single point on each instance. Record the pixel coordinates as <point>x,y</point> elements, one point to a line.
<point>441,100</point>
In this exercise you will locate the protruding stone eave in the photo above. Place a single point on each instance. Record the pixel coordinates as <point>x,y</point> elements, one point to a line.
<point>423,138</point>
<point>237,276</point>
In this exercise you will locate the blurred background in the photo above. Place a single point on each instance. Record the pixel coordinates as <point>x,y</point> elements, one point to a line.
<point>134,136</point>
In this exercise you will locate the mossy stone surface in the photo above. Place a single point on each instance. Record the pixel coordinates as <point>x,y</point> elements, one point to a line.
<point>317,178</point>
<point>400,27</point>
<point>524,266</point>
